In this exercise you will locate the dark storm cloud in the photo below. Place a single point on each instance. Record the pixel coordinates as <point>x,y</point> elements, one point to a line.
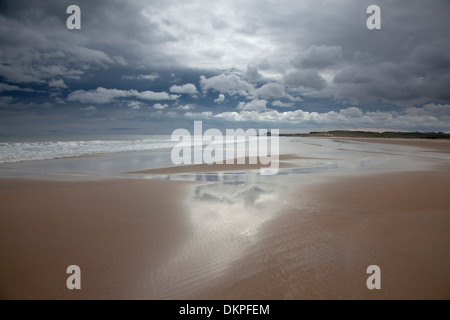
<point>36,45</point>
<point>423,75</point>
<point>319,57</point>
<point>216,55</point>
<point>252,74</point>
<point>306,79</point>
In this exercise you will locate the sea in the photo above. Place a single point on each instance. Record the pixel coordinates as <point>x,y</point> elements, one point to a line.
<point>15,148</point>
<point>62,155</point>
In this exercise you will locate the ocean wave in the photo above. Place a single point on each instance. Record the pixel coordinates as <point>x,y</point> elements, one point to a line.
<point>44,150</point>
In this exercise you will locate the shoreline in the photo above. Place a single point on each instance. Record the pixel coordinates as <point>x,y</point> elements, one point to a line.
<point>282,162</point>
<point>440,145</point>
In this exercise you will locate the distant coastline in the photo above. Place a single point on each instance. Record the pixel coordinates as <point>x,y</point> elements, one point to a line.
<point>369,134</point>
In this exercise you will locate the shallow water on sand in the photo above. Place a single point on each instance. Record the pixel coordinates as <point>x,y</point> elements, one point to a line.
<point>318,155</point>
<point>228,210</point>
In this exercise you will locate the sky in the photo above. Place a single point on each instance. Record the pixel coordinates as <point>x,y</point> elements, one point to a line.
<point>150,67</point>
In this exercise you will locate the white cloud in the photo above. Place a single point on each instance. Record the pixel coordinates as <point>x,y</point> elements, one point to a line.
<point>99,95</point>
<point>274,90</point>
<point>351,117</point>
<point>85,54</point>
<point>156,115</point>
<point>220,98</point>
<point>438,109</point>
<point>150,95</point>
<point>230,116</point>
<point>150,77</point>
<point>89,111</point>
<point>254,105</point>
<point>230,84</point>
<point>134,105</point>
<point>89,108</point>
<point>278,103</point>
<point>39,61</point>
<point>120,60</point>
<point>57,84</point>
<point>199,115</point>
<point>55,95</point>
<point>7,87</point>
<point>351,113</point>
<point>19,74</point>
<point>187,88</point>
<point>160,106</point>
<point>103,95</point>
<point>186,107</point>
<point>171,115</point>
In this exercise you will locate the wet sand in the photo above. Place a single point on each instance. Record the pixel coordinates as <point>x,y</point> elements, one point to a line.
<point>439,145</point>
<point>321,250</point>
<point>114,230</point>
<point>137,239</point>
<point>238,165</point>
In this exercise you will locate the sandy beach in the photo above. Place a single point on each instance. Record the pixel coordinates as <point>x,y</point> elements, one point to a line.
<point>154,239</point>
<point>431,144</point>
<point>399,222</point>
<point>113,230</point>
<point>224,150</point>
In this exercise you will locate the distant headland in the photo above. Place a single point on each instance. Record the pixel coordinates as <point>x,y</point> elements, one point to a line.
<point>370,134</point>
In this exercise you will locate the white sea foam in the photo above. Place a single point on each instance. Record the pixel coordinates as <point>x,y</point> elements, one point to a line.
<point>12,151</point>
